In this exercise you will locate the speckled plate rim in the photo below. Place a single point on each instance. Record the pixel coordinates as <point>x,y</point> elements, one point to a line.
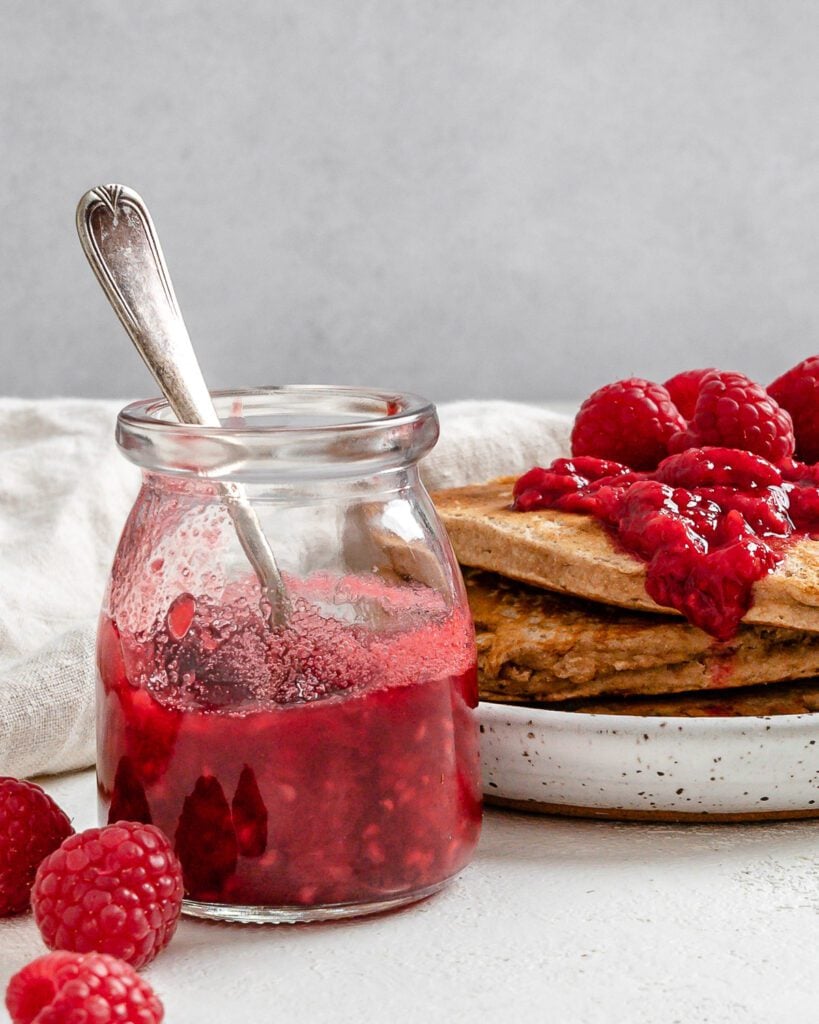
<point>636,767</point>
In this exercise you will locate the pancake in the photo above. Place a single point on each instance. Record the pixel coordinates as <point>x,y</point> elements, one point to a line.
<point>573,554</point>
<point>539,647</point>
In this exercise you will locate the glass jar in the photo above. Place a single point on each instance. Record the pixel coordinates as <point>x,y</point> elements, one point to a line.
<point>317,758</point>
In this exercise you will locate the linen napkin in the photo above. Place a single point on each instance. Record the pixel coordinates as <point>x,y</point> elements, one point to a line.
<point>65,492</point>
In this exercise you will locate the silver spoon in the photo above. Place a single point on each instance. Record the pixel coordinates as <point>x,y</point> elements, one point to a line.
<point>122,246</point>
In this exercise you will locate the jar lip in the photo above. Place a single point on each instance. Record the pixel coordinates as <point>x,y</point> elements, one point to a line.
<point>278,433</point>
<point>400,407</point>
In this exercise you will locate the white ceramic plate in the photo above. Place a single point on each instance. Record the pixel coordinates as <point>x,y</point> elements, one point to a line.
<point>625,766</point>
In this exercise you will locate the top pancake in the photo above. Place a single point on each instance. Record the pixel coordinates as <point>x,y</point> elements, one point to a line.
<point>573,554</point>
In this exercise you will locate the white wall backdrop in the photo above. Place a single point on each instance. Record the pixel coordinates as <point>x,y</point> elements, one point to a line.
<point>462,197</point>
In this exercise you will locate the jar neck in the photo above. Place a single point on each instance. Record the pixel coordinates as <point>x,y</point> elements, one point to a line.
<point>294,490</point>
<point>285,437</point>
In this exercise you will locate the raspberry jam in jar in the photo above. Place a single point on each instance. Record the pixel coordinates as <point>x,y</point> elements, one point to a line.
<point>319,764</point>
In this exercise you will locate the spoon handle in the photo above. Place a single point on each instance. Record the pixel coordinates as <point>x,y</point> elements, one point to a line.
<point>122,246</point>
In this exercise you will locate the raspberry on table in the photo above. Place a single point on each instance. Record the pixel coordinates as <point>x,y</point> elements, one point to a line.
<point>114,890</point>
<point>31,827</point>
<point>684,389</point>
<point>798,392</point>
<point>734,412</point>
<point>62,987</point>
<point>630,421</point>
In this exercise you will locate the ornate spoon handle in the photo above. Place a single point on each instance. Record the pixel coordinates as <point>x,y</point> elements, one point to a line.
<point>122,246</point>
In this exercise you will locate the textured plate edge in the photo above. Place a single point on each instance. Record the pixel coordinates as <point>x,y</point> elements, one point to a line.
<point>704,723</point>
<point>499,717</point>
<point>626,815</point>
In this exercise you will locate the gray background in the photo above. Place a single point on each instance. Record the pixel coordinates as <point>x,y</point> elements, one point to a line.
<point>523,199</point>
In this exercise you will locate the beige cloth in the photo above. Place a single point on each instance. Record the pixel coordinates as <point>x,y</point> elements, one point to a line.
<point>65,492</point>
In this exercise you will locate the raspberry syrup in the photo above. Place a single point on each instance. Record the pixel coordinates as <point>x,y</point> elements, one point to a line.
<point>321,763</point>
<point>709,522</point>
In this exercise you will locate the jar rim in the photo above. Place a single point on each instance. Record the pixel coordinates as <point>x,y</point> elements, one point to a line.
<point>281,429</point>
<point>146,412</point>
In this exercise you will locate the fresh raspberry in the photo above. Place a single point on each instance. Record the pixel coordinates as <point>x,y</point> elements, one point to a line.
<point>91,988</point>
<point>31,827</point>
<point>734,412</point>
<point>684,389</point>
<point>114,890</point>
<point>798,392</point>
<point>630,421</point>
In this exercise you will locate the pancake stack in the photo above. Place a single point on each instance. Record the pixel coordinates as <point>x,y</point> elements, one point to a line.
<point>563,621</point>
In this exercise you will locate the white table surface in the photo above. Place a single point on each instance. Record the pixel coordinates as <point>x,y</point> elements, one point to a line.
<point>556,920</point>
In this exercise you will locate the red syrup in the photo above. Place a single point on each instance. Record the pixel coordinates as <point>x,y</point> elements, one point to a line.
<point>321,763</point>
<point>709,522</point>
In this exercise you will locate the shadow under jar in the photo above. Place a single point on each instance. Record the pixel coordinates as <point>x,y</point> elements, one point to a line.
<point>325,766</point>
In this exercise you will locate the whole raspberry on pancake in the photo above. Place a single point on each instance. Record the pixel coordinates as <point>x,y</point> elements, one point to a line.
<point>684,389</point>
<point>734,412</point>
<point>798,392</point>
<point>630,421</point>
